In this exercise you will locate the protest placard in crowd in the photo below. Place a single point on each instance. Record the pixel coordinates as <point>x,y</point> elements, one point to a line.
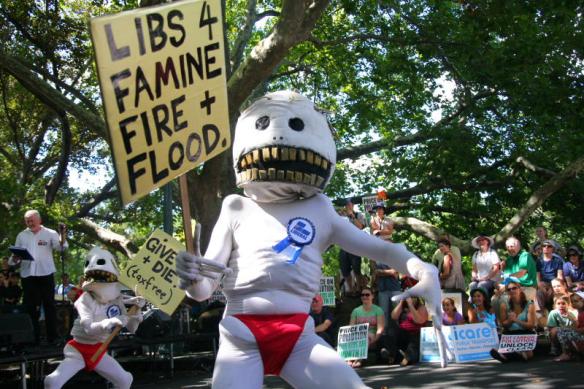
<point>352,341</point>
<point>515,343</point>
<point>152,272</point>
<point>163,82</point>
<point>327,290</point>
<point>468,342</point>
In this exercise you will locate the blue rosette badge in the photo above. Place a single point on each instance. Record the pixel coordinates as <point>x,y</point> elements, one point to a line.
<point>300,232</point>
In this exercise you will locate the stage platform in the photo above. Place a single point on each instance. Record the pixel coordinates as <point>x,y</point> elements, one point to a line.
<point>25,367</point>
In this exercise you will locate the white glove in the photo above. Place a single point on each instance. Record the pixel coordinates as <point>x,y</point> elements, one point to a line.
<point>428,287</point>
<point>138,300</point>
<point>111,323</point>
<point>193,268</point>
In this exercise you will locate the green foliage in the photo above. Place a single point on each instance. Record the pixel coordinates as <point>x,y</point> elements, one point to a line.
<point>505,78</point>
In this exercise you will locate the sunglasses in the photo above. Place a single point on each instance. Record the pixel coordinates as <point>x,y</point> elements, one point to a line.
<point>547,245</point>
<point>512,288</point>
<point>365,294</point>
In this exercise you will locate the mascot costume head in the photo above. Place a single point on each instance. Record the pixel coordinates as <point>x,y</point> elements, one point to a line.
<point>283,149</point>
<point>101,275</point>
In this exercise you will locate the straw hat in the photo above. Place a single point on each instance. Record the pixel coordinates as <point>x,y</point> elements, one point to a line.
<point>475,242</point>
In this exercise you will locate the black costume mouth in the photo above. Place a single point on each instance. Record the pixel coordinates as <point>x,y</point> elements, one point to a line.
<point>284,163</point>
<point>100,276</point>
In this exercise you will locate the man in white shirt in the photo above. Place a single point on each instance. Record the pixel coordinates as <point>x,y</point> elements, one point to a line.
<point>38,282</point>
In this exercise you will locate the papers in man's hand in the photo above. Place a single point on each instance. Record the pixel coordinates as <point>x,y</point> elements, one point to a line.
<point>21,253</point>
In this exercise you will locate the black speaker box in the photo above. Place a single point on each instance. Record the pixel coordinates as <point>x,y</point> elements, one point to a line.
<point>15,330</point>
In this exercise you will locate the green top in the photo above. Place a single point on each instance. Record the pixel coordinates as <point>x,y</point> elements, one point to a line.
<point>522,261</point>
<point>361,316</point>
<point>555,319</point>
<point>438,257</point>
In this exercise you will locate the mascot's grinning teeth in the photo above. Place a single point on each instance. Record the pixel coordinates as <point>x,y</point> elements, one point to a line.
<point>284,163</point>
<point>100,276</point>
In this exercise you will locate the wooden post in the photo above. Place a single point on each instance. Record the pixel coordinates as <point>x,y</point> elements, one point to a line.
<point>186,212</point>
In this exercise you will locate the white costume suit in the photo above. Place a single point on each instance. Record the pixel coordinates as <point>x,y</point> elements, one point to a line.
<point>95,323</point>
<point>262,280</point>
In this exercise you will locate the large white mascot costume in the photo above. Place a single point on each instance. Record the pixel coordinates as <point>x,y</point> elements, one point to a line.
<point>284,155</point>
<point>100,309</point>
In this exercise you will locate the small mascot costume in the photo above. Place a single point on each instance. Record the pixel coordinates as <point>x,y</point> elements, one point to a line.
<point>271,242</point>
<point>100,309</point>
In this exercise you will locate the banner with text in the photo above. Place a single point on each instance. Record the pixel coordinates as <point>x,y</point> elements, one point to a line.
<point>468,342</point>
<point>352,342</point>
<point>153,271</point>
<point>327,290</point>
<point>514,343</point>
<point>163,82</point>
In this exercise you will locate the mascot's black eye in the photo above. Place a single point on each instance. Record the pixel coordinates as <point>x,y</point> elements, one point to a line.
<point>262,123</point>
<point>86,263</point>
<point>101,262</point>
<point>296,124</point>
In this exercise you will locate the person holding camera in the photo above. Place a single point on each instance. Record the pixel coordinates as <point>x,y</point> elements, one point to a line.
<point>38,282</point>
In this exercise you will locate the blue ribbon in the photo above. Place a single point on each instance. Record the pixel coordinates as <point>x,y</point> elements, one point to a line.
<point>295,246</point>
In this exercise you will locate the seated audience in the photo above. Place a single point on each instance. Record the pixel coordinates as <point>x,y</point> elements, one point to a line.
<point>450,316</point>
<point>411,315</point>
<point>480,310</point>
<point>549,266</point>
<point>485,264</point>
<point>572,339</point>
<point>574,269</point>
<point>517,316</point>
<point>323,319</point>
<point>370,313</point>
<point>560,317</point>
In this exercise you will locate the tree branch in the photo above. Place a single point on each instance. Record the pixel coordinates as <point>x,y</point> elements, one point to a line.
<point>296,21</point>
<point>538,197</point>
<point>106,193</point>
<point>55,182</point>
<point>49,96</point>
<point>534,168</point>
<point>430,231</point>
<point>420,136</point>
<point>109,238</point>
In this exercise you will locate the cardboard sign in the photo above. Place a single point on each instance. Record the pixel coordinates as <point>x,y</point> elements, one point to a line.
<point>353,342</point>
<point>327,290</point>
<point>369,202</point>
<point>429,344</point>
<point>513,343</point>
<point>468,342</point>
<point>153,272</point>
<point>162,77</point>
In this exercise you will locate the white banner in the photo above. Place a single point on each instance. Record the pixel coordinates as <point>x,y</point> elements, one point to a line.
<point>353,341</point>
<point>513,343</point>
<point>469,342</point>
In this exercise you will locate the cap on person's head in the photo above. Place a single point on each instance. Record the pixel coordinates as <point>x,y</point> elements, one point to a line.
<point>475,242</point>
<point>580,293</point>
<point>548,242</point>
<point>349,201</point>
<point>574,250</point>
<point>480,290</point>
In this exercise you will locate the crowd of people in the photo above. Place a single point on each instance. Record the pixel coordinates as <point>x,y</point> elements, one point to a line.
<point>537,290</point>
<point>526,291</point>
